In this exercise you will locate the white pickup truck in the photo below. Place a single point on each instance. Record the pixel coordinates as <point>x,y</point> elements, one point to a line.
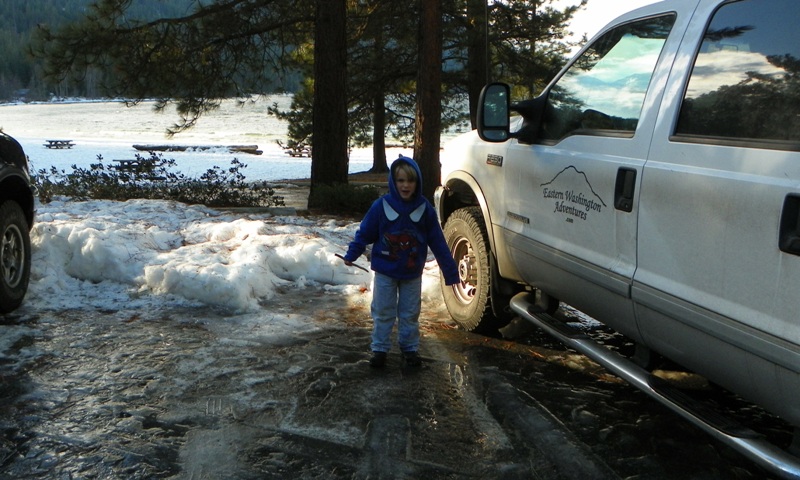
<point>655,186</point>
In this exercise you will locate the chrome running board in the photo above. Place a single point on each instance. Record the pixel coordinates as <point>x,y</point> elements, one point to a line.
<point>742,439</point>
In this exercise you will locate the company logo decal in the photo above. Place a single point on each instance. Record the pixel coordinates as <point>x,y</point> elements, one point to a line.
<point>576,201</point>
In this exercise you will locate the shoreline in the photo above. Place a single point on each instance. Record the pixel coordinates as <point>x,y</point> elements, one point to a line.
<point>295,192</point>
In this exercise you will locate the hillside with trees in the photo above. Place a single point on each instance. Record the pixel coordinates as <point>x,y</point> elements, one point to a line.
<point>21,75</point>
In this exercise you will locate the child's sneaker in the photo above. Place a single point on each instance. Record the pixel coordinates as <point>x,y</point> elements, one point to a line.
<point>378,360</point>
<point>412,359</point>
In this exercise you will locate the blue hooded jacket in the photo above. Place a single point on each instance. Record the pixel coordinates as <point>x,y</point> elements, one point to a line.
<point>402,231</point>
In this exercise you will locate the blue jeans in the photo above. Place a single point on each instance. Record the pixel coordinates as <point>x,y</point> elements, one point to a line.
<point>392,300</point>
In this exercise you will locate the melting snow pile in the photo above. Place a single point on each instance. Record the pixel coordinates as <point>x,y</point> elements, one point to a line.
<point>134,254</point>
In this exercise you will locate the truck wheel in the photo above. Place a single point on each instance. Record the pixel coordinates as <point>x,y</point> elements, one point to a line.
<point>469,301</point>
<point>15,256</point>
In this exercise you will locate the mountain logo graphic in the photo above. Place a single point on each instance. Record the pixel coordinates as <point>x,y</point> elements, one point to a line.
<point>574,203</point>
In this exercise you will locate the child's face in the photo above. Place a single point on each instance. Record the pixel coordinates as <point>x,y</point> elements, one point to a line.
<point>405,185</point>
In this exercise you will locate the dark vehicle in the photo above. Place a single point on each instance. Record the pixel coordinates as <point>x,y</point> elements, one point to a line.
<point>17,194</point>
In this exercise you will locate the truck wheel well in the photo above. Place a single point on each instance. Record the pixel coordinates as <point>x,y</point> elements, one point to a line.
<point>14,188</point>
<point>459,195</point>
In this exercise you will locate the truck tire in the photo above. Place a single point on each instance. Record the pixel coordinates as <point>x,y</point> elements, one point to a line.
<point>15,256</point>
<point>469,301</point>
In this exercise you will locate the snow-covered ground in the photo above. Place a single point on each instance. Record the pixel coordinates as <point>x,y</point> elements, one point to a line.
<point>146,254</point>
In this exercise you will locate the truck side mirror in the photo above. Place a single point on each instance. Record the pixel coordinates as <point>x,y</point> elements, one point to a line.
<point>493,112</point>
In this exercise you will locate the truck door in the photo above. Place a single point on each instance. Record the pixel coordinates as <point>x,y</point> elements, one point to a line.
<point>719,256</point>
<point>571,195</point>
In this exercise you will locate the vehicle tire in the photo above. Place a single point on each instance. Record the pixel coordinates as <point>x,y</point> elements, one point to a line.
<point>15,256</point>
<point>469,302</point>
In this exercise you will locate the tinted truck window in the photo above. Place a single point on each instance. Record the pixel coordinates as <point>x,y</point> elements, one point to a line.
<point>745,84</point>
<point>603,91</point>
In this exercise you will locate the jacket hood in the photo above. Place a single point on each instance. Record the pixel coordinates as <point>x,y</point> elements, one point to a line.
<point>396,200</point>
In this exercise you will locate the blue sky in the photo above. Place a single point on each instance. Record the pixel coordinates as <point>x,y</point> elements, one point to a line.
<point>597,13</point>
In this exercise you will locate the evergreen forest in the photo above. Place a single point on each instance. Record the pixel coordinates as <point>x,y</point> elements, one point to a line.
<point>527,38</point>
<point>21,75</point>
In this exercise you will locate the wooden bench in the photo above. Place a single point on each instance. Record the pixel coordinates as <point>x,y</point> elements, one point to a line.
<point>251,149</point>
<point>59,144</point>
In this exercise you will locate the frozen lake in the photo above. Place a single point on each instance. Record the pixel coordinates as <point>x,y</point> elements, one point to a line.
<point>111,129</point>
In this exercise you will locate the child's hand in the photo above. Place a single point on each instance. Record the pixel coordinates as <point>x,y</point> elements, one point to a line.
<point>350,264</point>
<point>346,261</point>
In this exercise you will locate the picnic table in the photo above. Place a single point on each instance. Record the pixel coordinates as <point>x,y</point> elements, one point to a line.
<point>134,164</point>
<point>143,167</point>
<point>59,144</point>
<point>300,149</point>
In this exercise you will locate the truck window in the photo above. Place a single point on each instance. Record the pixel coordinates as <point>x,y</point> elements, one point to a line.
<point>602,92</point>
<point>745,83</point>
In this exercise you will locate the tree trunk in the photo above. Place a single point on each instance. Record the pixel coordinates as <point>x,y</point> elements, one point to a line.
<point>329,160</point>
<point>379,164</point>
<point>427,132</point>
<point>477,53</point>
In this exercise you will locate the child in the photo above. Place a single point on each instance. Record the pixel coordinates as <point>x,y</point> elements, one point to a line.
<point>402,224</point>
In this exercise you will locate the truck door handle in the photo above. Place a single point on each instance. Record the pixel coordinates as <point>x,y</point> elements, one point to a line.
<point>789,235</point>
<point>623,191</point>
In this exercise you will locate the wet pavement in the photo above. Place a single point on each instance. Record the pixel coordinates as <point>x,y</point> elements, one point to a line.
<point>202,394</point>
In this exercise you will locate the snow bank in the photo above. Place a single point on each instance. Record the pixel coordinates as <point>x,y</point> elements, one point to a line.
<point>127,251</point>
